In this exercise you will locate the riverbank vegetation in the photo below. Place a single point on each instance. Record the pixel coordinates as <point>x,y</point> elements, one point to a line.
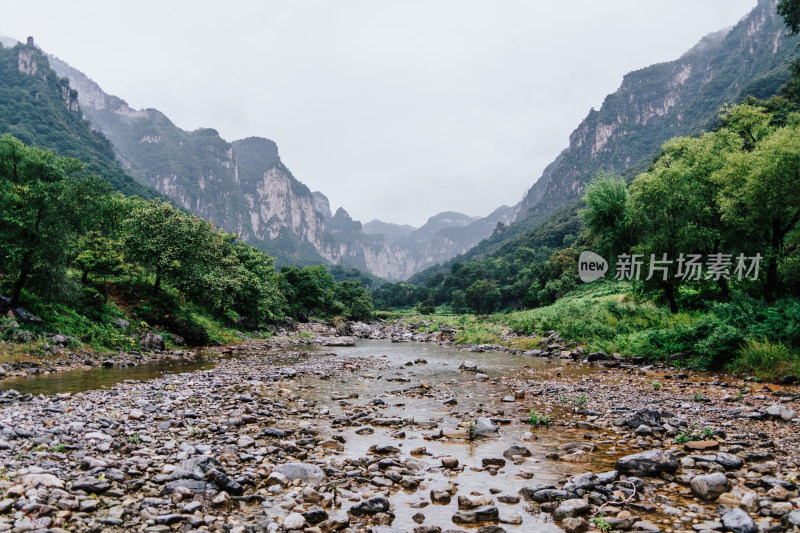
<point>102,269</point>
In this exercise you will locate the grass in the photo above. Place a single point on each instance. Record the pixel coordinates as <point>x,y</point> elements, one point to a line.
<point>536,419</point>
<point>608,316</point>
<point>767,361</point>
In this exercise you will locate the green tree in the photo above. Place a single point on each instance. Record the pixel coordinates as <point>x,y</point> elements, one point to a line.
<point>483,296</point>
<point>356,300</point>
<point>173,245</point>
<point>606,215</point>
<point>38,213</point>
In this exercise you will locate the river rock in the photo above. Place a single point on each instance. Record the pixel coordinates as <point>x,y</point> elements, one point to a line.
<point>792,519</point>
<point>729,461</point>
<point>294,521</point>
<point>42,480</point>
<point>571,509</point>
<point>648,416</point>
<point>151,342</point>
<point>485,427</point>
<point>468,366</point>
<point>301,471</point>
<point>738,521</point>
<point>487,513</point>
<point>649,463</point>
<point>522,451</point>
<point>574,525</point>
<point>709,487</point>
<point>780,412</point>
<point>374,505</point>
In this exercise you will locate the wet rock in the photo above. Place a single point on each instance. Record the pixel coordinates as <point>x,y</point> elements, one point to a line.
<point>571,509</point>
<point>648,416</point>
<point>377,504</point>
<point>575,525</point>
<point>646,526</point>
<point>468,366</point>
<point>473,501</point>
<point>493,462</point>
<point>440,496</point>
<point>488,513</point>
<point>649,463</point>
<point>151,342</point>
<point>522,451</point>
<point>729,461</point>
<point>710,486</point>
<point>449,462</point>
<point>738,521</point>
<point>485,427</point>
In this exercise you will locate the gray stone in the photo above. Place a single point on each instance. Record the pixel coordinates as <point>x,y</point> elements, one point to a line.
<point>151,342</point>
<point>649,463</point>
<point>780,412</point>
<point>522,451</point>
<point>301,471</point>
<point>486,513</point>
<point>709,487</point>
<point>728,461</point>
<point>571,509</point>
<point>121,323</point>
<point>485,427</point>
<point>738,521</point>
<point>647,416</point>
<point>574,525</point>
<point>377,504</point>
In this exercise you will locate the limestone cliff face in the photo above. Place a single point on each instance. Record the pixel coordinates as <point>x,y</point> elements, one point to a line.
<point>245,188</point>
<point>664,100</point>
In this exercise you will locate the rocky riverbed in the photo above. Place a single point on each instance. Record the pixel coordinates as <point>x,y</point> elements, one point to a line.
<point>392,436</point>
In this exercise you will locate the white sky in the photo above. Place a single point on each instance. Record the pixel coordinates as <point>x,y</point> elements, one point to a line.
<point>395,110</point>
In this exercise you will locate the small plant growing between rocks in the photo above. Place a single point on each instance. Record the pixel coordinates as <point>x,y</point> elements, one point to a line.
<point>657,385</point>
<point>535,419</point>
<point>58,447</point>
<point>135,439</point>
<point>600,523</point>
<point>471,429</point>
<point>698,397</point>
<point>580,401</point>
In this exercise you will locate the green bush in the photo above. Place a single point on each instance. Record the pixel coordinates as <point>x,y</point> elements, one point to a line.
<point>768,361</point>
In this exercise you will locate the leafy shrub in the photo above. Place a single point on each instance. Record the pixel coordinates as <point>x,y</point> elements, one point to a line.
<point>767,360</point>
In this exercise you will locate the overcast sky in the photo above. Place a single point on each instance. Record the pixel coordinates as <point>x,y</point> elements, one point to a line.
<point>395,110</point>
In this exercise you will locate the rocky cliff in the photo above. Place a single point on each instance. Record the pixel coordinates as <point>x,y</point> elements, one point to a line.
<point>664,100</point>
<point>245,188</point>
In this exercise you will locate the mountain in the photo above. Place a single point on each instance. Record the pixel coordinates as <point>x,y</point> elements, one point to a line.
<point>652,105</point>
<point>42,109</point>
<point>662,101</point>
<point>393,232</point>
<point>246,189</point>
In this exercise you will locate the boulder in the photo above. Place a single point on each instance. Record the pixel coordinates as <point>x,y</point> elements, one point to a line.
<point>485,427</point>
<point>780,412</point>
<point>301,471</point>
<point>151,341</point>
<point>709,487</point>
<point>571,509</point>
<point>487,513</point>
<point>374,505</point>
<point>648,416</point>
<point>738,521</point>
<point>649,463</point>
